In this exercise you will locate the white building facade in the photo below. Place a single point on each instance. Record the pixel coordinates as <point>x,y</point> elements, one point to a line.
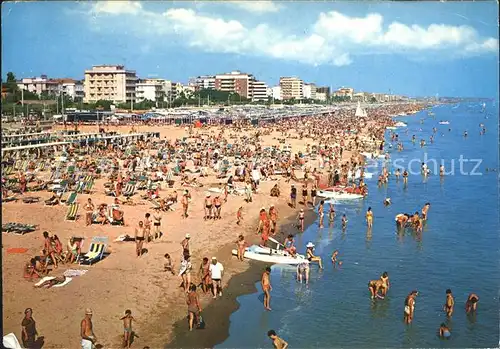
<point>110,83</point>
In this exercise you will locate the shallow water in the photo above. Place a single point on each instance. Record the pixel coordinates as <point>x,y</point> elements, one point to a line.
<point>458,249</point>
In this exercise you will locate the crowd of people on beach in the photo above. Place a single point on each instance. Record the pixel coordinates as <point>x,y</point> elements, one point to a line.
<point>239,165</point>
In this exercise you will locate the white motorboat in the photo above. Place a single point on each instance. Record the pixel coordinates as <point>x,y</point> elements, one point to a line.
<point>271,255</point>
<point>366,175</point>
<point>391,128</point>
<point>444,122</point>
<point>339,195</point>
<point>400,124</point>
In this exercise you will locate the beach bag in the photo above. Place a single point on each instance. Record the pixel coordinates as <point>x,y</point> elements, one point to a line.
<point>201,323</point>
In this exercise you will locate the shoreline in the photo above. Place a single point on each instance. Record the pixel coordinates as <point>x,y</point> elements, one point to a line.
<point>217,314</point>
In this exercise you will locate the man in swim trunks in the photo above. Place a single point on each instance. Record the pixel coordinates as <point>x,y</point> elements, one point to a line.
<point>273,215</point>
<point>266,287</point>
<point>127,328</point>
<point>52,282</point>
<point>208,207</point>
<point>87,332</point>
<point>410,307</point>
<point>450,302</point>
<point>185,204</point>
<point>139,239</point>
<point>331,213</point>
<point>471,303</point>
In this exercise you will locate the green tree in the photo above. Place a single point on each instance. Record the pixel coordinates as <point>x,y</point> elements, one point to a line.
<point>373,100</point>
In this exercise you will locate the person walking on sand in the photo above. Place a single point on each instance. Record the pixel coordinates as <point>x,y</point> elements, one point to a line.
<point>139,238</point>
<point>127,328</point>
<point>216,273</point>
<point>449,304</point>
<point>278,343</point>
<point>239,215</point>
<point>28,329</point>
<point>369,217</point>
<point>157,222</point>
<point>194,307</point>
<point>265,282</point>
<point>87,332</point>
<point>273,216</point>
<point>89,208</point>
<point>293,196</point>
<point>185,204</point>
<point>147,228</point>
<point>47,246</point>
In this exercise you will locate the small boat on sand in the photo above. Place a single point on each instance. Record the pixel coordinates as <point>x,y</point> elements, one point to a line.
<point>271,255</point>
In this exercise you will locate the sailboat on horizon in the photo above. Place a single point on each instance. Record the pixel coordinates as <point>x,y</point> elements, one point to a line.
<point>360,112</point>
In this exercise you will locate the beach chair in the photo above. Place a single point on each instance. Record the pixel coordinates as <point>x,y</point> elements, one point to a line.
<point>88,186</point>
<point>71,198</point>
<point>80,186</point>
<point>72,212</point>
<point>97,248</point>
<point>129,190</point>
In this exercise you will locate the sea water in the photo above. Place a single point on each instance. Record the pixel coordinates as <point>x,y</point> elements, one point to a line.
<point>458,249</point>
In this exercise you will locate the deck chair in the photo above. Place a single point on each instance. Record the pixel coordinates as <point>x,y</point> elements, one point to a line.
<point>97,248</point>
<point>129,190</point>
<point>71,198</point>
<point>72,212</point>
<point>88,186</point>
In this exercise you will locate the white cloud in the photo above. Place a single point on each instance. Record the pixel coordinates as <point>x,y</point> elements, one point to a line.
<point>257,6</point>
<point>334,38</point>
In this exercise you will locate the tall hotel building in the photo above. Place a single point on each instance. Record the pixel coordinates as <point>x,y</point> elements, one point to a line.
<point>110,83</point>
<point>291,87</point>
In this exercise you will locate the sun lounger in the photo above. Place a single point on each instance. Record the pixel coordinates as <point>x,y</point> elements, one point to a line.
<point>129,190</point>
<point>10,198</point>
<point>18,228</point>
<point>72,212</point>
<point>31,199</point>
<point>96,251</point>
<point>79,187</point>
<point>71,198</point>
<point>88,186</point>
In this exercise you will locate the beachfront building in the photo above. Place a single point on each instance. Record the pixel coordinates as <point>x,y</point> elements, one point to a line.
<point>309,91</point>
<point>291,88</point>
<point>235,81</point>
<point>324,90</point>
<point>110,83</point>
<point>276,92</point>
<point>344,92</point>
<point>259,91</point>
<point>40,85</point>
<point>150,89</point>
<point>203,82</point>
<point>321,96</point>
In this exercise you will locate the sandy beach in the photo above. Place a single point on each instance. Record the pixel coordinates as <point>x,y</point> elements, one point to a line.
<point>121,280</point>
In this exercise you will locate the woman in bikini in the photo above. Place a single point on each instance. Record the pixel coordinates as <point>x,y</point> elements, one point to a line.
<point>273,215</point>
<point>385,283</point>
<point>314,193</point>
<point>304,194</point>
<point>49,249</point>
<point>310,255</point>
<point>321,213</point>
<point>89,208</point>
<point>300,217</point>
<point>369,217</point>
<point>241,244</point>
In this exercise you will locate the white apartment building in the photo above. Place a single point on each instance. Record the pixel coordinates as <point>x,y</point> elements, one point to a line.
<point>40,85</point>
<point>110,83</point>
<point>291,87</point>
<point>309,91</point>
<point>276,92</point>
<point>321,96</point>
<point>150,89</point>
<point>203,82</point>
<point>259,91</point>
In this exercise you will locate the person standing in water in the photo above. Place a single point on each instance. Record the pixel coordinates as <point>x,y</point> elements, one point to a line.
<point>331,213</point>
<point>266,287</point>
<point>425,210</point>
<point>450,302</point>
<point>410,307</point>
<point>385,283</point>
<point>301,219</point>
<point>278,343</point>
<point>471,303</point>
<point>321,213</point>
<point>405,177</point>
<point>369,217</point>
<point>344,221</point>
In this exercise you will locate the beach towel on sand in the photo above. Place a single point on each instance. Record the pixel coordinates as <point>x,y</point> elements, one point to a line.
<point>47,278</point>
<point>75,272</point>
<point>10,341</point>
<point>17,250</point>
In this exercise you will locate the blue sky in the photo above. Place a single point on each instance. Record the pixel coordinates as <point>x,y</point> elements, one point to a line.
<point>413,48</point>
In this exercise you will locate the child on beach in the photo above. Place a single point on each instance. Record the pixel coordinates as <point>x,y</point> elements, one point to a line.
<point>239,215</point>
<point>169,266</point>
<point>300,217</point>
<point>127,328</point>
<point>241,246</point>
<point>335,261</point>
